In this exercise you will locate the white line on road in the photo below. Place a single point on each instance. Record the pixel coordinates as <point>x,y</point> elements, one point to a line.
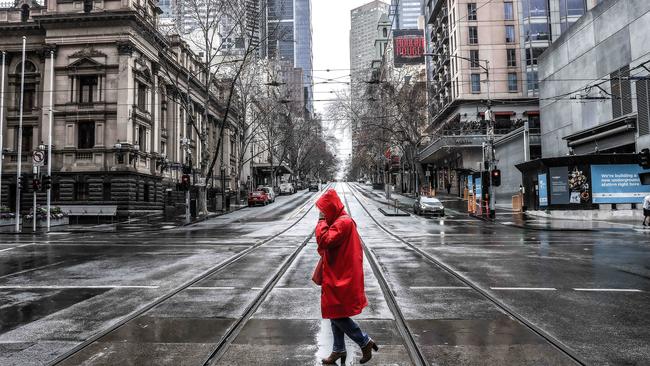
<point>439,288</point>
<point>54,287</point>
<point>210,288</point>
<point>524,288</point>
<point>19,246</point>
<point>608,289</point>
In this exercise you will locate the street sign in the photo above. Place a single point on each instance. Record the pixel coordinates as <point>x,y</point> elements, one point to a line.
<point>38,158</point>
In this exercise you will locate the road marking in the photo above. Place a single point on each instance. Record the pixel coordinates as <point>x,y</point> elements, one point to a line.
<point>19,246</point>
<point>608,289</point>
<point>439,288</point>
<point>210,288</point>
<point>256,288</point>
<point>524,288</point>
<point>55,287</point>
<point>295,288</point>
<point>32,269</point>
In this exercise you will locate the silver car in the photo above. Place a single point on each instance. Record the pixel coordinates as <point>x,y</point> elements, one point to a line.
<point>428,206</point>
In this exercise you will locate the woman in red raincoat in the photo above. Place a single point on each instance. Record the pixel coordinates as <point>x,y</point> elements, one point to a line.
<point>342,291</point>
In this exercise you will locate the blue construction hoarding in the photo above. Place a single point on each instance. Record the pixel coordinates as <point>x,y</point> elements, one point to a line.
<point>618,183</point>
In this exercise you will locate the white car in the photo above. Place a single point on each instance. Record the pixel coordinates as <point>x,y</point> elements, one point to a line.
<point>287,188</point>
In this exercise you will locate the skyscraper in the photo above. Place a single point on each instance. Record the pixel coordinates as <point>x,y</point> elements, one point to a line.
<point>405,13</point>
<point>363,32</point>
<point>289,39</point>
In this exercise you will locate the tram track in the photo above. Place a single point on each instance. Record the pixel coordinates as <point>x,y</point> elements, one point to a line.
<point>554,342</point>
<point>234,329</point>
<point>414,351</point>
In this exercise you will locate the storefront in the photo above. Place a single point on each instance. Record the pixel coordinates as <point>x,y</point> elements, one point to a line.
<point>584,182</point>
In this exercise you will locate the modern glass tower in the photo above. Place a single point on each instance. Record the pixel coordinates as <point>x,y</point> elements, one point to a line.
<point>405,13</point>
<point>290,38</point>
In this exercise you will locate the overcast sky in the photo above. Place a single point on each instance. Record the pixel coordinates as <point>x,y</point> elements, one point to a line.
<point>331,48</point>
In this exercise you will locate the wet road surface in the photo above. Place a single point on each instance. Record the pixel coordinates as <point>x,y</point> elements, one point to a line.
<point>150,299</point>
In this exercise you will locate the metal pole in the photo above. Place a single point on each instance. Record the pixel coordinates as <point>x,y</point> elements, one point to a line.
<point>482,169</point>
<point>2,108</point>
<point>19,163</point>
<point>34,202</point>
<point>49,140</point>
<point>526,141</point>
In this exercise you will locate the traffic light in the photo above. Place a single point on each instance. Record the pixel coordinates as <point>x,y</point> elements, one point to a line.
<point>22,183</point>
<point>496,177</point>
<point>644,158</point>
<point>36,184</point>
<point>185,181</point>
<point>47,182</point>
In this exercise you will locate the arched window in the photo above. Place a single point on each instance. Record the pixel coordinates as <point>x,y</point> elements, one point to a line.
<point>24,13</point>
<point>385,32</point>
<point>29,67</point>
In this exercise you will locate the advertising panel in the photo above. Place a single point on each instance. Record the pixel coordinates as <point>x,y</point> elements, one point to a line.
<point>618,183</point>
<point>543,190</point>
<point>478,189</point>
<point>559,184</point>
<point>408,47</point>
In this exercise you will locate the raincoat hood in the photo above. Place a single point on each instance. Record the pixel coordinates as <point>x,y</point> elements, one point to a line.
<point>331,206</point>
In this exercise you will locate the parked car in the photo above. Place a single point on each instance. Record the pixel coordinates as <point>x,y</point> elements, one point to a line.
<point>287,188</point>
<point>428,206</point>
<point>313,187</point>
<point>368,183</point>
<point>259,197</point>
<point>270,192</point>
<point>300,185</point>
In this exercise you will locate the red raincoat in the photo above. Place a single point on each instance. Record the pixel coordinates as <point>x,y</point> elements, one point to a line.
<point>339,245</point>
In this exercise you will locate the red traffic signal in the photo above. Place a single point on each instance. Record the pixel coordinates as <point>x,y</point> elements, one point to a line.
<point>36,184</point>
<point>496,177</point>
<point>185,181</point>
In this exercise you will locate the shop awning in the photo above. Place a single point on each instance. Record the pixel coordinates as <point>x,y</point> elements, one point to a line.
<point>605,136</point>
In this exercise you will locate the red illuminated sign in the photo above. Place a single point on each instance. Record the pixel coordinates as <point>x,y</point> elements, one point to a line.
<point>408,47</point>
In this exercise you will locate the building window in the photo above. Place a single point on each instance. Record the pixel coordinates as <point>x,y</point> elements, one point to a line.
<point>508,11</point>
<point>28,138</point>
<point>535,8</point>
<point>643,106</point>
<point>86,135</point>
<point>471,12</point>
<point>532,54</point>
<point>142,97</point>
<point>511,57</point>
<point>146,192</point>
<point>106,191</point>
<point>512,82</point>
<point>473,57</point>
<point>532,81</point>
<point>510,33</point>
<point>473,35</point>
<point>476,83</point>
<point>87,89</point>
<point>142,138</point>
<point>537,32</point>
<point>80,191</point>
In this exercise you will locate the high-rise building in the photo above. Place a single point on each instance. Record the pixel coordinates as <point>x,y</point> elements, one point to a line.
<point>289,39</point>
<point>405,13</point>
<point>363,32</point>
<point>484,56</point>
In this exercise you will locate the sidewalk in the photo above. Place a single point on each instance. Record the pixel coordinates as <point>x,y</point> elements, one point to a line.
<point>508,217</point>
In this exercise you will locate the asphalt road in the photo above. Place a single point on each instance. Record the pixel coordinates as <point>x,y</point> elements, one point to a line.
<point>236,290</point>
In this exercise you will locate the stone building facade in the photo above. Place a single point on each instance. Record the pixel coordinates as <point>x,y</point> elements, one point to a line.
<point>129,105</point>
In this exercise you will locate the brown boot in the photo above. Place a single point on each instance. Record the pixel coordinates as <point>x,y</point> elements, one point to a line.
<point>367,351</point>
<point>332,358</point>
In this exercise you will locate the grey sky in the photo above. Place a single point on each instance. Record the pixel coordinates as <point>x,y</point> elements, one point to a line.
<point>331,48</point>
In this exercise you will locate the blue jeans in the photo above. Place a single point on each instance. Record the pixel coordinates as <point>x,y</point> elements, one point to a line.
<point>343,326</point>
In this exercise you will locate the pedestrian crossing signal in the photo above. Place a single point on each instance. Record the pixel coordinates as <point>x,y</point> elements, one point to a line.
<point>47,182</point>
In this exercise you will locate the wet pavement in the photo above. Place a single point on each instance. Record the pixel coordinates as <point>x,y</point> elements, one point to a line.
<point>229,291</point>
